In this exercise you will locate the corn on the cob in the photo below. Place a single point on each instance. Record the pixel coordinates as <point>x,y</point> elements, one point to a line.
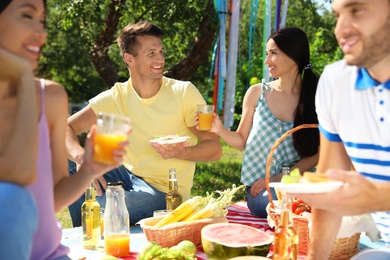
<point>185,209</point>
<point>206,212</point>
<point>216,207</point>
<point>196,210</point>
<point>207,207</point>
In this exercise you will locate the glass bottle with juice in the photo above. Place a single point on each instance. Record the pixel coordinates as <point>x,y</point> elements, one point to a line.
<point>90,218</point>
<point>285,172</point>
<point>285,238</point>
<point>173,197</point>
<point>116,222</point>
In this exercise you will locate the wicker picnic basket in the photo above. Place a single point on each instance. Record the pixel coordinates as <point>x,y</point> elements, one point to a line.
<point>343,248</point>
<point>174,233</point>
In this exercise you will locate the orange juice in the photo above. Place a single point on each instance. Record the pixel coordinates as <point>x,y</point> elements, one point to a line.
<point>90,218</point>
<point>205,121</point>
<point>117,244</point>
<point>89,226</point>
<point>104,146</point>
<point>101,226</point>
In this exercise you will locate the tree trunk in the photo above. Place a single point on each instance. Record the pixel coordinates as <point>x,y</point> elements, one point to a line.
<point>199,51</point>
<point>103,40</point>
<point>183,70</point>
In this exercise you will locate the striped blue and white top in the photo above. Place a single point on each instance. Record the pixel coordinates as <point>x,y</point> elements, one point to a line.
<point>355,109</point>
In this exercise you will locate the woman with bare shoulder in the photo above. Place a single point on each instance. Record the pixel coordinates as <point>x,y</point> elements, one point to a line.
<point>33,159</point>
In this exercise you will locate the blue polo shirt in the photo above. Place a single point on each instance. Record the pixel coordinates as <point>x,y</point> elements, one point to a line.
<point>354,109</point>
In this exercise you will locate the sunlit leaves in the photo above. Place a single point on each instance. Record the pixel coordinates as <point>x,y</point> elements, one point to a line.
<point>73,26</point>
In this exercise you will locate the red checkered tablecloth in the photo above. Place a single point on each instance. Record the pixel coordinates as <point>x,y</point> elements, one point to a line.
<point>237,213</point>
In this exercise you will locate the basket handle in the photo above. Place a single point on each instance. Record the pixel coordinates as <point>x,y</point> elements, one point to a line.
<point>273,148</point>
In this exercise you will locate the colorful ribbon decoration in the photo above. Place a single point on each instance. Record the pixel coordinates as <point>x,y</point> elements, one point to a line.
<point>284,14</point>
<point>225,69</point>
<point>228,116</point>
<point>221,8</point>
<point>277,14</point>
<point>252,30</point>
<point>266,34</point>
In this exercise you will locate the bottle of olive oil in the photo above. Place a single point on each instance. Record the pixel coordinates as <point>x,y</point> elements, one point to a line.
<point>173,197</point>
<point>90,217</point>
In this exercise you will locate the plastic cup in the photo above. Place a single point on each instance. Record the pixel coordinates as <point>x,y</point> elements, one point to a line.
<point>111,129</point>
<point>205,117</point>
<point>161,212</point>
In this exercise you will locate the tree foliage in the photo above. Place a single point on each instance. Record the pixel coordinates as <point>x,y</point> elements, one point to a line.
<point>311,16</point>
<point>83,56</point>
<point>82,53</point>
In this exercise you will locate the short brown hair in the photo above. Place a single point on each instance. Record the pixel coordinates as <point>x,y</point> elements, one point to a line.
<point>127,39</point>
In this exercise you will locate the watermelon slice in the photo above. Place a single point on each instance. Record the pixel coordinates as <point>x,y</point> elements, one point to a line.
<point>223,241</point>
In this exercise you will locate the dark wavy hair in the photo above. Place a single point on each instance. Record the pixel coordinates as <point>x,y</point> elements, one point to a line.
<point>294,43</point>
<point>5,3</point>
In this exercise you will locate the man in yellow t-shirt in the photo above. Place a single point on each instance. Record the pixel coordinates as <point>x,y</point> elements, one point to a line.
<point>157,106</point>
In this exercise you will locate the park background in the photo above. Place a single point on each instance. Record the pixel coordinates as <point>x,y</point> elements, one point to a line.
<point>81,53</point>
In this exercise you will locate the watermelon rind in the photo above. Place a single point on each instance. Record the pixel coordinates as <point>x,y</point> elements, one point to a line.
<point>224,248</point>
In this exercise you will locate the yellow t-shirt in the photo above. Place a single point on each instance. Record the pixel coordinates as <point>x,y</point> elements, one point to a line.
<point>171,111</point>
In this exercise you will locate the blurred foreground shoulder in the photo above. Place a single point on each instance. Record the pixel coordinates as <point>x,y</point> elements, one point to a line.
<point>55,92</point>
<point>56,100</point>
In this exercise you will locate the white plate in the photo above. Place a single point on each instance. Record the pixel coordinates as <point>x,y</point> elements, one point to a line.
<point>170,140</point>
<point>301,188</point>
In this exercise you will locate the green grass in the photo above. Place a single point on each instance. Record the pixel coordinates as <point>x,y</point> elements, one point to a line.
<point>209,177</point>
<point>220,175</point>
<point>64,217</point>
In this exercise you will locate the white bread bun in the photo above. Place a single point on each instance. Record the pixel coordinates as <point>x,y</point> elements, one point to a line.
<point>314,177</point>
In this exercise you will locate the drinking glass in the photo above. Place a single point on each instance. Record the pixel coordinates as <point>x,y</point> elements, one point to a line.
<point>111,129</point>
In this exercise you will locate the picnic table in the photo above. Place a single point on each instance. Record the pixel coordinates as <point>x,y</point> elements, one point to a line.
<point>237,213</point>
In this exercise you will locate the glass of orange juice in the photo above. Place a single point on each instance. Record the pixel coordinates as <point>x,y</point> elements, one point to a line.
<point>111,129</point>
<point>117,244</point>
<point>205,117</point>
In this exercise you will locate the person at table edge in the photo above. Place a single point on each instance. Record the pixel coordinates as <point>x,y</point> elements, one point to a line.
<point>353,107</point>
<point>157,106</point>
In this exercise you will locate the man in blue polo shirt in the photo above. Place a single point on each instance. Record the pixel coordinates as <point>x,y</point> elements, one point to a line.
<point>353,107</point>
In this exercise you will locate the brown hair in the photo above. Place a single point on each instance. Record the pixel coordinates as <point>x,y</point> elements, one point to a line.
<point>127,39</point>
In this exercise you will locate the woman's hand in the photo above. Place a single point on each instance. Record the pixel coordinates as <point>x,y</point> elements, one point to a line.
<point>13,67</point>
<point>96,169</point>
<point>257,187</point>
<point>216,125</point>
